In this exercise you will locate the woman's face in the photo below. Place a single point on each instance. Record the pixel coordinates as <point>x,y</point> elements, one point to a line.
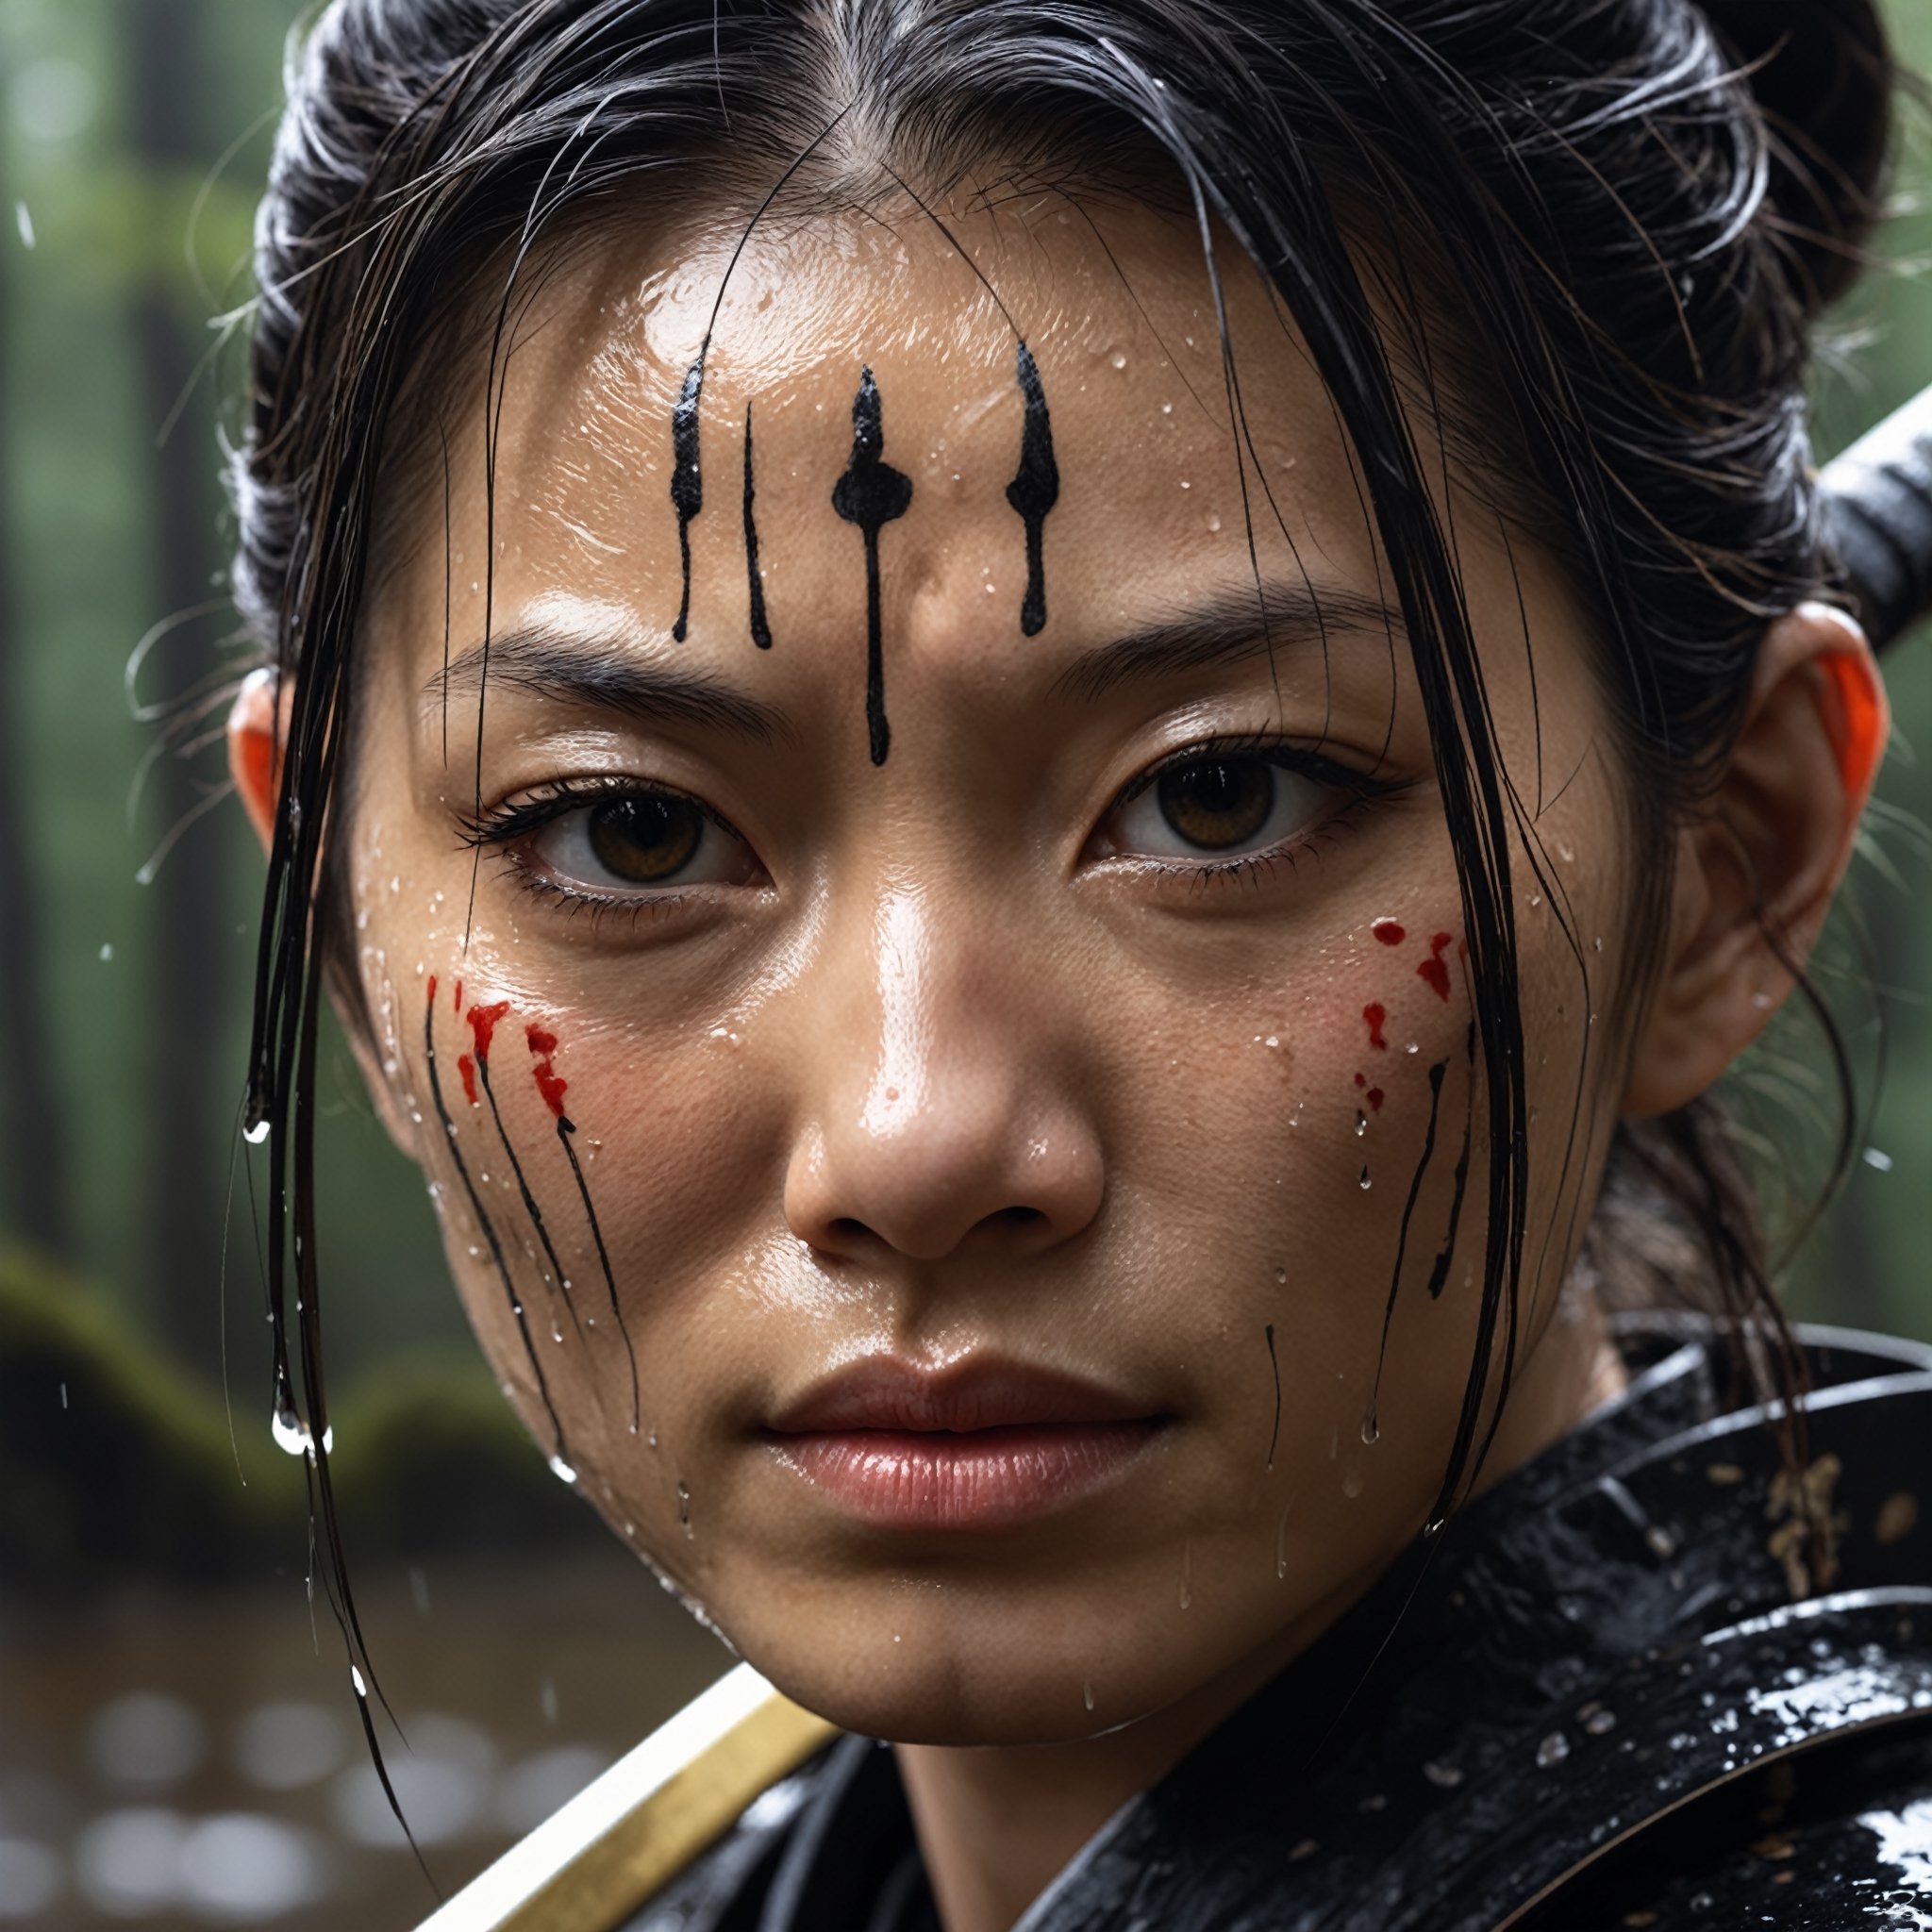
<point>1027,1171</point>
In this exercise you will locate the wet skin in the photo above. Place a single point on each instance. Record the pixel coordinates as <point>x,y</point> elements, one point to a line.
<point>978,1053</point>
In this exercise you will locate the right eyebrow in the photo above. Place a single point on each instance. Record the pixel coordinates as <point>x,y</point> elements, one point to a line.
<point>601,673</point>
<point>1228,626</point>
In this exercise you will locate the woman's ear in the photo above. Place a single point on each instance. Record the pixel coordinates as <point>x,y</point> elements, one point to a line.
<point>257,730</point>
<point>257,733</point>
<point>1758,869</point>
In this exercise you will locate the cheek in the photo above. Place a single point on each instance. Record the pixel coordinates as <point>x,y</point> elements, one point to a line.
<point>1343,1158</point>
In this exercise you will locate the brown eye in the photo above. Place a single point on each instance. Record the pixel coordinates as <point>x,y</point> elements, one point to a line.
<point>636,842</point>
<point>1219,803</point>
<point>646,840</point>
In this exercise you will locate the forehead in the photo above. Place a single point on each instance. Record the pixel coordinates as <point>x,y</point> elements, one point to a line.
<point>1114,303</point>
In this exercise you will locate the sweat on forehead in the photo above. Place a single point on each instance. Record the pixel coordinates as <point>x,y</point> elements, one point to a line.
<point>1117,313</point>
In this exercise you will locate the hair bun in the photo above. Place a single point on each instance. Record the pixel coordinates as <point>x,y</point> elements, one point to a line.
<point>1822,73</point>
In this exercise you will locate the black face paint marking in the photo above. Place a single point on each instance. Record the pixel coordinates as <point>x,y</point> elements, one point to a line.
<point>1438,1274</point>
<point>1371,1423</point>
<point>496,1255</point>
<point>557,1271</point>
<point>1274,1364</point>
<point>687,480</point>
<point>1034,491</point>
<point>870,493</point>
<point>565,1128</point>
<point>760,629</point>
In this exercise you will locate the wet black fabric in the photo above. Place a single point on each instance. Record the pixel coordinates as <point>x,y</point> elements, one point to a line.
<point>1600,1708</point>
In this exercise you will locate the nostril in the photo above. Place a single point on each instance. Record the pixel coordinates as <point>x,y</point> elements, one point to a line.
<point>1018,1217</point>
<point>847,1228</point>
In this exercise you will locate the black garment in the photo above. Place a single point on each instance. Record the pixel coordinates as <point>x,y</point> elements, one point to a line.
<point>1599,1708</point>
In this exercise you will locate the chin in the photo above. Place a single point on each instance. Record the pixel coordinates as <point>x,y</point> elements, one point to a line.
<point>985,1674</point>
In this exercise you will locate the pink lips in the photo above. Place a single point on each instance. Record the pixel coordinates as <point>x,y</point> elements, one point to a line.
<point>982,1445</point>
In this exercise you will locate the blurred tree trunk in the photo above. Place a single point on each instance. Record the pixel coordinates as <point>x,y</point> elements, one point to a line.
<point>193,1092</point>
<point>33,1137</point>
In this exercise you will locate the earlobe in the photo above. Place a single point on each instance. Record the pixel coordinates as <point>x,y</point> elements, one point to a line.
<point>1758,871</point>
<point>258,729</point>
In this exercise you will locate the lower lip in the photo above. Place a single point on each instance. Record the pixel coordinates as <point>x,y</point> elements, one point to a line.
<point>976,1479</point>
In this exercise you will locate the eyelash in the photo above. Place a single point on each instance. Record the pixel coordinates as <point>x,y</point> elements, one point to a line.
<point>503,827</point>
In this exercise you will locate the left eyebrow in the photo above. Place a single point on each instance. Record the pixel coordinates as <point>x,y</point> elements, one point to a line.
<point>599,675</point>
<point>1227,627</point>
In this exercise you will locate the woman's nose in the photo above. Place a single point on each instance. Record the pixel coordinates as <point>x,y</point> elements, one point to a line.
<point>938,1111</point>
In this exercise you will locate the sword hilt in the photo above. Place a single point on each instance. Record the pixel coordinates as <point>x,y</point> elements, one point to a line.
<point>1877,505</point>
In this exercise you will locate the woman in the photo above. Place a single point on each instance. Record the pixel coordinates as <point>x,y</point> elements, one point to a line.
<point>1044,752</point>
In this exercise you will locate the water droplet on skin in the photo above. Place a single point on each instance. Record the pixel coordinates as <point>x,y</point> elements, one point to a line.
<point>990,589</point>
<point>1371,1430</point>
<point>1087,1692</point>
<point>355,1679</point>
<point>561,1470</point>
<point>1281,1543</point>
<point>1352,1484</point>
<point>1213,522</point>
<point>1366,1182</point>
<point>1184,484</point>
<point>1362,1124</point>
<point>1167,409</point>
<point>651,1438</point>
<point>1414,1046</point>
<point>1281,1274</point>
<point>1553,1750</point>
<point>1536,899</point>
<point>684,1510</point>
<point>1119,358</point>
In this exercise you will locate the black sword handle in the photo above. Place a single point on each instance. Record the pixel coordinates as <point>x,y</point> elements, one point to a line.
<point>1878,506</point>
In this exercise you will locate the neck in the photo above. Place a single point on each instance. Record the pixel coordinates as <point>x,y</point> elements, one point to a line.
<point>997,1822</point>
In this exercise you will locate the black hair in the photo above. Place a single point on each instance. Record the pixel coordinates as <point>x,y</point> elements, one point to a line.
<point>1635,208</point>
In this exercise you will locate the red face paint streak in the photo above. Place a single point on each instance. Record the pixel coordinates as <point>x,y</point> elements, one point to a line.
<point>1361,1079</point>
<point>459,1001</point>
<point>1376,1098</point>
<point>466,1068</point>
<point>1432,969</point>
<point>544,1043</point>
<point>1389,932</point>
<point>1374,1015</point>
<point>432,989</point>
<point>483,1025</point>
